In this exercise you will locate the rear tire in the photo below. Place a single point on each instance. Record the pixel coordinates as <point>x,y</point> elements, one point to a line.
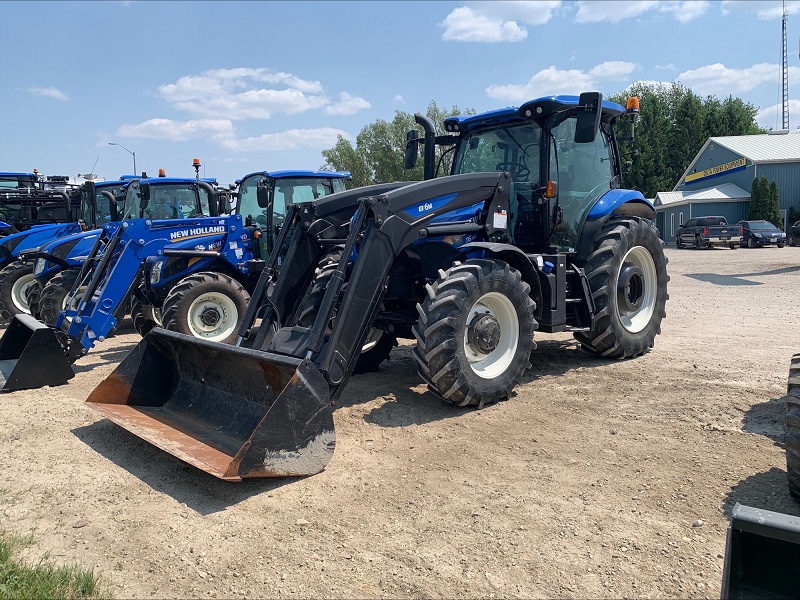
<point>378,346</point>
<point>144,316</point>
<point>792,240</point>
<point>793,427</point>
<point>53,298</point>
<point>475,332</point>
<point>15,279</point>
<point>209,306</point>
<point>627,273</point>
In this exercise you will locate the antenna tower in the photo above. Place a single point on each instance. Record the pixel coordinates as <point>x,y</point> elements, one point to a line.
<point>785,71</point>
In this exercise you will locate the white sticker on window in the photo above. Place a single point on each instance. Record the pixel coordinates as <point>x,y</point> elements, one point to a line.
<point>500,220</point>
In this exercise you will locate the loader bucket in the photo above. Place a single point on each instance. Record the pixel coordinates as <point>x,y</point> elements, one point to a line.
<point>31,356</point>
<point>232,412</point>
<point>762,555</point>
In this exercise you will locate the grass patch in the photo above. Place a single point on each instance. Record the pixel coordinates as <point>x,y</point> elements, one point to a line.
<point>44,580</point>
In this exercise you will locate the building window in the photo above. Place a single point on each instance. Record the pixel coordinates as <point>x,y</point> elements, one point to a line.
<point>672,225</point>
<point>680,217</point>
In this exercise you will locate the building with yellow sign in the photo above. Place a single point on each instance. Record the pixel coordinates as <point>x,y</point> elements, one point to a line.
<point>719,179</point>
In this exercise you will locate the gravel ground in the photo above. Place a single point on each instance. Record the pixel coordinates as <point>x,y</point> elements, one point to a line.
<point>597,479</point>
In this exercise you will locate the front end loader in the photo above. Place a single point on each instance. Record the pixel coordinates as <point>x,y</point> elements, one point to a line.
<point>530,231</point>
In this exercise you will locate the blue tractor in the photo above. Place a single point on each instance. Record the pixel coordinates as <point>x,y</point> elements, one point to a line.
<point>99,205</point>
<point>213,260</point>
<point>58,264</point>
<point>532,230</point>
<point>201,286</point>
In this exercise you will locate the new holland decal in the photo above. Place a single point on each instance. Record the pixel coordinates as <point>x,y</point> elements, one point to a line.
<point>193,232</point>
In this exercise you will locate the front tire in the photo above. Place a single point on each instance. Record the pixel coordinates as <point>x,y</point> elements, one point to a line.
<point>15,279</point>
<point>627,273</point>
<point>209,306</point>
<point>750,243</point>
<point>144,316</point>
<point>475,332</point>
<point>53,298</point>
<point>792,240</point>
<point>793,427</point>
<point>378,345</point>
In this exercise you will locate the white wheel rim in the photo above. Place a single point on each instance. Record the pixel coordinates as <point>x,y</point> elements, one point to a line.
<point>636,320</point>
<point>489,365</point>
<point>18,290</point>
<point>225,312</point>
<point>373,337</point>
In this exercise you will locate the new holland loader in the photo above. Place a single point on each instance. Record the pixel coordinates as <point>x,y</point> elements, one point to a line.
<point>531,230</point>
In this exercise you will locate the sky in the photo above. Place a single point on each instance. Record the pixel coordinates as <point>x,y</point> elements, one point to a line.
<point>259,86</point>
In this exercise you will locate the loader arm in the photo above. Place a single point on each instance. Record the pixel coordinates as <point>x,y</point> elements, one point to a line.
<point>384,225</point>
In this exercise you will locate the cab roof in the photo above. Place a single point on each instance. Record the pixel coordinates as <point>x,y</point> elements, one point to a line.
<point>513,114</point>
<point>301,173</point>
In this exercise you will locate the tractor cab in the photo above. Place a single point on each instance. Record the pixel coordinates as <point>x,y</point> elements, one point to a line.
<point>263,198</point>
<point>562,157</point>
<point>161,198</point>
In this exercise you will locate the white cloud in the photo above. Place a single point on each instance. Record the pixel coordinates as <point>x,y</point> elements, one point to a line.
<point>668,67</point>
<point>347,105</point>
<point>766,11</point>
<point>400,99</point>
<point>491,22</point>
<point>293,139</point>
<point>683,12</point>
<point>48,92</point>
<point>719,80</point>
<point>244,93</point>
<point>557,81</point>
<point>598,11</point>
<point>771,116</point>
<point>178,131</point>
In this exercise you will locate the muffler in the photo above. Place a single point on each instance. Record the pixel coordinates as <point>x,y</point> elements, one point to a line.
<point>233,412</point>
<point>31,356</point>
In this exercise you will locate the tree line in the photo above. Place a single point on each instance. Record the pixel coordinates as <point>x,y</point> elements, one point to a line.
<point>673,125</point>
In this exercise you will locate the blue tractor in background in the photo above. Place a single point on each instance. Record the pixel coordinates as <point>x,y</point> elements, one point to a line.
<point>532,230</point>
<point>200,286</point>
<point>219,258</point>
<point>56,266</point>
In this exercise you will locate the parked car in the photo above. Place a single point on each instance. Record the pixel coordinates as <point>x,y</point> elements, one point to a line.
<point>705,232</point>
<point>794,234</point>
<point>761,233</point>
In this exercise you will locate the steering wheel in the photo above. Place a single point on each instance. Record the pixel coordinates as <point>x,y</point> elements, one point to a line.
<point>260,220</point>
<point>520,170</point>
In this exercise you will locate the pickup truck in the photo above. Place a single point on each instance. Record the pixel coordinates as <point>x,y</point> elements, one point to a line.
<point>706,232</point>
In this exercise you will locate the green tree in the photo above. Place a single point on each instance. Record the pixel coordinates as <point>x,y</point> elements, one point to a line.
<point>378,154</point>
<point>774,206</point>
<point>765,202</point>
<point>673,125</point>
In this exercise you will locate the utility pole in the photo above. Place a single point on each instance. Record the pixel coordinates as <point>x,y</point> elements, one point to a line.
<point>785,71</point>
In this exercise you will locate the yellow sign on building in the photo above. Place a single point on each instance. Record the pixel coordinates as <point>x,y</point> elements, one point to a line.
<point>734,165</point>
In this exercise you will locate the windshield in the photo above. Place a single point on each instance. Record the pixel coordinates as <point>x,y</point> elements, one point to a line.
<point>103,204</point>
<point>762,226</point>
<point>175,200</point>
<point>287,190</point>
<point>514,148</point>
<point>15,182</point>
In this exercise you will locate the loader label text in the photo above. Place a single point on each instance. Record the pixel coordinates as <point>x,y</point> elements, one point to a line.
<point>195,232</point>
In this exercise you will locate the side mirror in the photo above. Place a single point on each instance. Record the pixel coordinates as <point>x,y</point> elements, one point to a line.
<point>264,195</point>
<point>412,150</point>
<point>144,195</point>
<point>589,113</point>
